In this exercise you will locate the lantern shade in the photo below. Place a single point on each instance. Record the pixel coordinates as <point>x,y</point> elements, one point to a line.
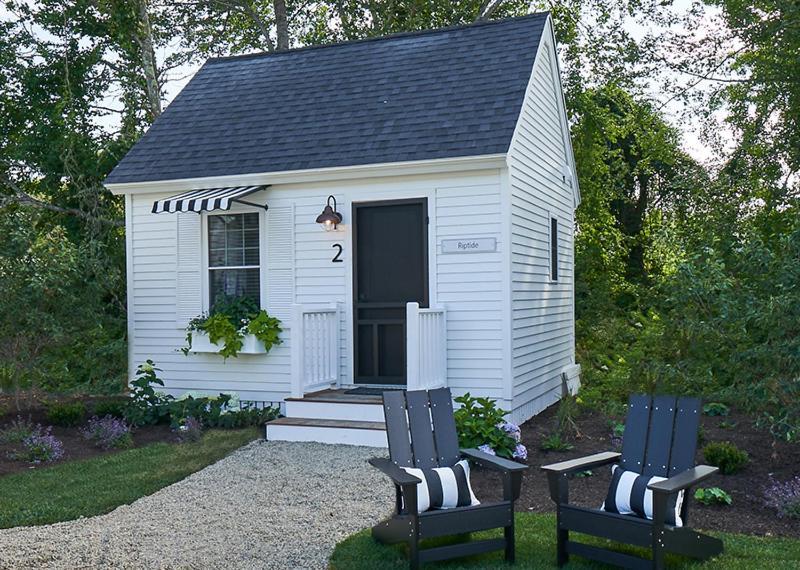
<point>330,218</point>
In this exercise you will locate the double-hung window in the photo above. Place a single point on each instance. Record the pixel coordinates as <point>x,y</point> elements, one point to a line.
<point>233,257</point>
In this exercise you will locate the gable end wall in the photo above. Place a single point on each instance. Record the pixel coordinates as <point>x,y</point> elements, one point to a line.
<point>542,310</point>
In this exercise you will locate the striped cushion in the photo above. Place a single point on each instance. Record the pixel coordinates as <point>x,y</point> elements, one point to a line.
<point>443,487</point>
<point>628,495</point>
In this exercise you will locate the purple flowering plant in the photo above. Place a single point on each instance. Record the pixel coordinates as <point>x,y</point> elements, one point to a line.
<point>108,432</point>
<point>39,446</point>
<point>486,448</point>
<point>189,430</point>
<point>784,497</point>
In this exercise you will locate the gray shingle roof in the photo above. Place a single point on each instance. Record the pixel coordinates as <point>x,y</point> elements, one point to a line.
<point>417,96</point>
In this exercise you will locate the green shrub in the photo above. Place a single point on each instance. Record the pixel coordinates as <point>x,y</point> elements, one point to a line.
<point>147,406</point>
<point>713,496</point>
<point>716,409</point>
<point>66,414</point>
<point>113,407</point>
<point>555,442</point>
<point>725,455</point>
<point>478,422</point>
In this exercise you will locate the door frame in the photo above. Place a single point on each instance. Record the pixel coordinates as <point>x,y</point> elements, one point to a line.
<point>354,207</point>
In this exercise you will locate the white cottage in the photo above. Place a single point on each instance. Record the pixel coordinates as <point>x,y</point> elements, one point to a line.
<point>447,156</point>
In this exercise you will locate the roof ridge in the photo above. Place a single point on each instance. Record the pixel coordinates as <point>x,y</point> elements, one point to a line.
<point>397,35</point>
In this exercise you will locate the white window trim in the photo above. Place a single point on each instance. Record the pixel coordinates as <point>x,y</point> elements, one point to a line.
<point>262,252</point>
<point>550,217</point>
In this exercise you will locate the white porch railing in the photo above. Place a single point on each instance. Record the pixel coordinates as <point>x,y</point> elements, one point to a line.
<point>314,348</point>
<point>426,347</point>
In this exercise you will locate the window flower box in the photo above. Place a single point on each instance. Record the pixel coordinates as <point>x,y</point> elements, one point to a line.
<point>201,343</point>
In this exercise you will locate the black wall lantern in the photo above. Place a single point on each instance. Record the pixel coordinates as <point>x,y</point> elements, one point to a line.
<point>330,218</point>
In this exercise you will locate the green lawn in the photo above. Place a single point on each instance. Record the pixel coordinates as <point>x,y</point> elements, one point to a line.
<point>98,485</point>
<point>536,550</point>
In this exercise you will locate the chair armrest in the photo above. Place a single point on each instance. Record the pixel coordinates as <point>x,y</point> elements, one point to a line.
<point>493,462</point>
<point>397,475</point>
<point>683,480</point>
<point>582,463</point>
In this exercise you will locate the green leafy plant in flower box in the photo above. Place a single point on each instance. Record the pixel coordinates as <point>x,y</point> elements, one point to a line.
<point>229,321</point>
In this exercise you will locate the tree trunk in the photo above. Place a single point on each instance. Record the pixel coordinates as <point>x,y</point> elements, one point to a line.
<point>144,37</point>
<point>281,24</point>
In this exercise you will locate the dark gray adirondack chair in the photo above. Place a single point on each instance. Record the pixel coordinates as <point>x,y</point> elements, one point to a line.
<point>660,439</point>
<point>422,433</point>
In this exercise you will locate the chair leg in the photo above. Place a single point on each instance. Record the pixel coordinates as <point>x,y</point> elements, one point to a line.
<point>413,554</point>
<point>511,546</point>
<point>562,557</point>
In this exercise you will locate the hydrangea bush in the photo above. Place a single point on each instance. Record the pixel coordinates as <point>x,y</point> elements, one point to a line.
<point>108,432</point>
<point>480,424</point>
<point>784,497</point>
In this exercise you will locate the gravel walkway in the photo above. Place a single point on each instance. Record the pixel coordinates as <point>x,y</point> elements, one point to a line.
<point>268,505</point>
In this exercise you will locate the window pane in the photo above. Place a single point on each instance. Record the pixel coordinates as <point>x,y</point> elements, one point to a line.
<point>251,256</point>
<point>251,238</point>
<point>216,257</point>
<point>234,283</point>
<point>235,257</point>
<point>228,236</point>
<point>554,248</point>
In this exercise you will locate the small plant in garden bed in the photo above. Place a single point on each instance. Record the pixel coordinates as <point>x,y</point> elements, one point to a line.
<point>716,409</point>
<point>189,431</point>
<point>66,414</point>
<point>725,455</point>
<point>147,406</point>
<point>617,434</point>
<point>480,425</point>
<point>555,442</point>
<point>40,446</point>
<point>113,407</point>
<point>713,496</point>
<point>18,430</point>
<point>784,497</point>
<point>108,433</point>
<point>230,320</point>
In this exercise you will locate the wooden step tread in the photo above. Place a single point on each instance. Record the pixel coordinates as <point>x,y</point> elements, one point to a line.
<point>338,397</point>
<point>344,424</point>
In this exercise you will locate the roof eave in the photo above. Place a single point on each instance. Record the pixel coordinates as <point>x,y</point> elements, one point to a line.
<point>432,166</point>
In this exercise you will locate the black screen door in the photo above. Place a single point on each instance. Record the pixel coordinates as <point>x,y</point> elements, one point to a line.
<point>390,269</point>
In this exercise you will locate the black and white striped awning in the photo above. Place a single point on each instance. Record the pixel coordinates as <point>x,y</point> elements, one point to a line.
<point>206,200</point>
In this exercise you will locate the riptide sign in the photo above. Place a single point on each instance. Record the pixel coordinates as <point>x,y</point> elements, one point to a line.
<point>469,245</point>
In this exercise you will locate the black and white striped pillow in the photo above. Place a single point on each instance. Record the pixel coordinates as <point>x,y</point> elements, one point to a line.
<point>443,487</point>
<point>628,495</point>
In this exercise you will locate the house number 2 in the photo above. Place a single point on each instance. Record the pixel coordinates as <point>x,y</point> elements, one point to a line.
<point>338,257</point>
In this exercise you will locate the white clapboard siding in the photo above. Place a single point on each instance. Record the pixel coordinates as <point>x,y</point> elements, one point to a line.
<point>165,257</point>
<point>189,298</point>
<point>280,261</point>
<point>542,328</point>
<point>470,286</point>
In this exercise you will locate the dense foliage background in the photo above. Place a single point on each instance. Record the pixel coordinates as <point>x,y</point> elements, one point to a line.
<point>688,273</point>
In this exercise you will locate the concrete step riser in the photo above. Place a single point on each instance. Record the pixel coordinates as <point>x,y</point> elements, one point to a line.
<point>334,435</point>
<point>334,411</point>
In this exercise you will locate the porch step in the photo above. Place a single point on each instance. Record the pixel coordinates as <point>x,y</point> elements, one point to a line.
<point>350,432</point>
<point>334,409</point>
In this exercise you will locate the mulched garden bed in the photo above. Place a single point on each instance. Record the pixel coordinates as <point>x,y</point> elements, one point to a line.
<point>75,445</point>
<point>746,515</point>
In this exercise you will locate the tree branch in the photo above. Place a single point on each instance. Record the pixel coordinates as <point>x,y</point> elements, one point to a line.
<point>22,198</point>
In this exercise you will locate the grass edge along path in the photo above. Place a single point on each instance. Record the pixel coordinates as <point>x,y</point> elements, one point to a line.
<point>99,485</point>
<point>536,549</point>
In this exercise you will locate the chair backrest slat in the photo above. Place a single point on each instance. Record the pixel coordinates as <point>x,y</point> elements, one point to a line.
<point>394,411</point>
<point>684,439</point>
<point>659,440</point>
<point>634,441</point>
<point>419,419</point>
<point>444,427</point>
